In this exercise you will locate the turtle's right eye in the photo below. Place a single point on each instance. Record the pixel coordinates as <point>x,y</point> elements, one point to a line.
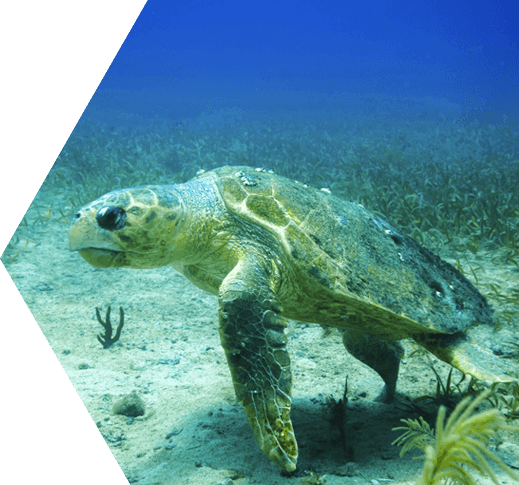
<point>111,218</point>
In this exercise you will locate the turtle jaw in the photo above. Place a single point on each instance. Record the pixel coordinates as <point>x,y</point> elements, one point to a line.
<point>108,258</point>
<point>94,246</point>
<point>104,258</point>
<point>100,248</point>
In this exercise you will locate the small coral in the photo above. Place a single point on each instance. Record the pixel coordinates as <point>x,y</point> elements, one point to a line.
<point>107,340</point>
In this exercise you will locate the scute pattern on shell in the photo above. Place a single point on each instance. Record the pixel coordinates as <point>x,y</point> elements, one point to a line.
<point>335,246</point>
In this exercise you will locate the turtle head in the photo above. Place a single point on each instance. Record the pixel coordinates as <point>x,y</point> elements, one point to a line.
<point>134,228</point>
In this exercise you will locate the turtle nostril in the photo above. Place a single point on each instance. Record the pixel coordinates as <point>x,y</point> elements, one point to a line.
<point>111,218</point>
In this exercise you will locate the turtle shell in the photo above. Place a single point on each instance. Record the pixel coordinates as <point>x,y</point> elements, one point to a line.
<point>354,267</point>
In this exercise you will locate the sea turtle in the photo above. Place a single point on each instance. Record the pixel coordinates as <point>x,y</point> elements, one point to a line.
<point>271,249</point>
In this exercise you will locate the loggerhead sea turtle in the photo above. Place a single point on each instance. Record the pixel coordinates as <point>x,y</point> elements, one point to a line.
<point>271,249</point>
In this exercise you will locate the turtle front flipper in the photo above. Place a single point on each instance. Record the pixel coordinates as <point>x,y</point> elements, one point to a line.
<point>458,352</point>
<point>252,333</point>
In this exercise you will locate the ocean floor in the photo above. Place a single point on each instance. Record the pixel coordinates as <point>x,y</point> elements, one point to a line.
<point>193,431</point>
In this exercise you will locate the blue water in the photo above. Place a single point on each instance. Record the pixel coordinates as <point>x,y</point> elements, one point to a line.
<point>216,59</point>
<point>408,107</point>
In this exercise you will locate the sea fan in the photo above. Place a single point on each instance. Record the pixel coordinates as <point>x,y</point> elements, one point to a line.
<point>459,446</point>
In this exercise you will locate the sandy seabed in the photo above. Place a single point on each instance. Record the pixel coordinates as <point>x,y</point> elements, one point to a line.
<point>193,431</point>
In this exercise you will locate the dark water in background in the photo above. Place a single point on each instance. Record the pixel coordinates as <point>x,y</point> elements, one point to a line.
<point>214,61</point>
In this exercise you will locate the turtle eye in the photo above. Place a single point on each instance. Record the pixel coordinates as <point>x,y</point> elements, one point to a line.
<point>111,218</point>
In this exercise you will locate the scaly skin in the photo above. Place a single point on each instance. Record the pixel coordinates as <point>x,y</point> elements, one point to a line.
<point>252,334</point>
<point>271,248</point>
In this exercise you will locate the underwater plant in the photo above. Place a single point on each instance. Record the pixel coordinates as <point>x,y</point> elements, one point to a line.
<point>107,340</point>
<point>459,446</point>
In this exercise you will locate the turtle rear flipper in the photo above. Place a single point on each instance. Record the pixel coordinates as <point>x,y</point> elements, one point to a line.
<point>458,352</point>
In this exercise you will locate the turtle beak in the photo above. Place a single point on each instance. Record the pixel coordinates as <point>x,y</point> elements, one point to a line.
<point>85,233</point>
<point>75,235</point>
<point>94,244</point>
